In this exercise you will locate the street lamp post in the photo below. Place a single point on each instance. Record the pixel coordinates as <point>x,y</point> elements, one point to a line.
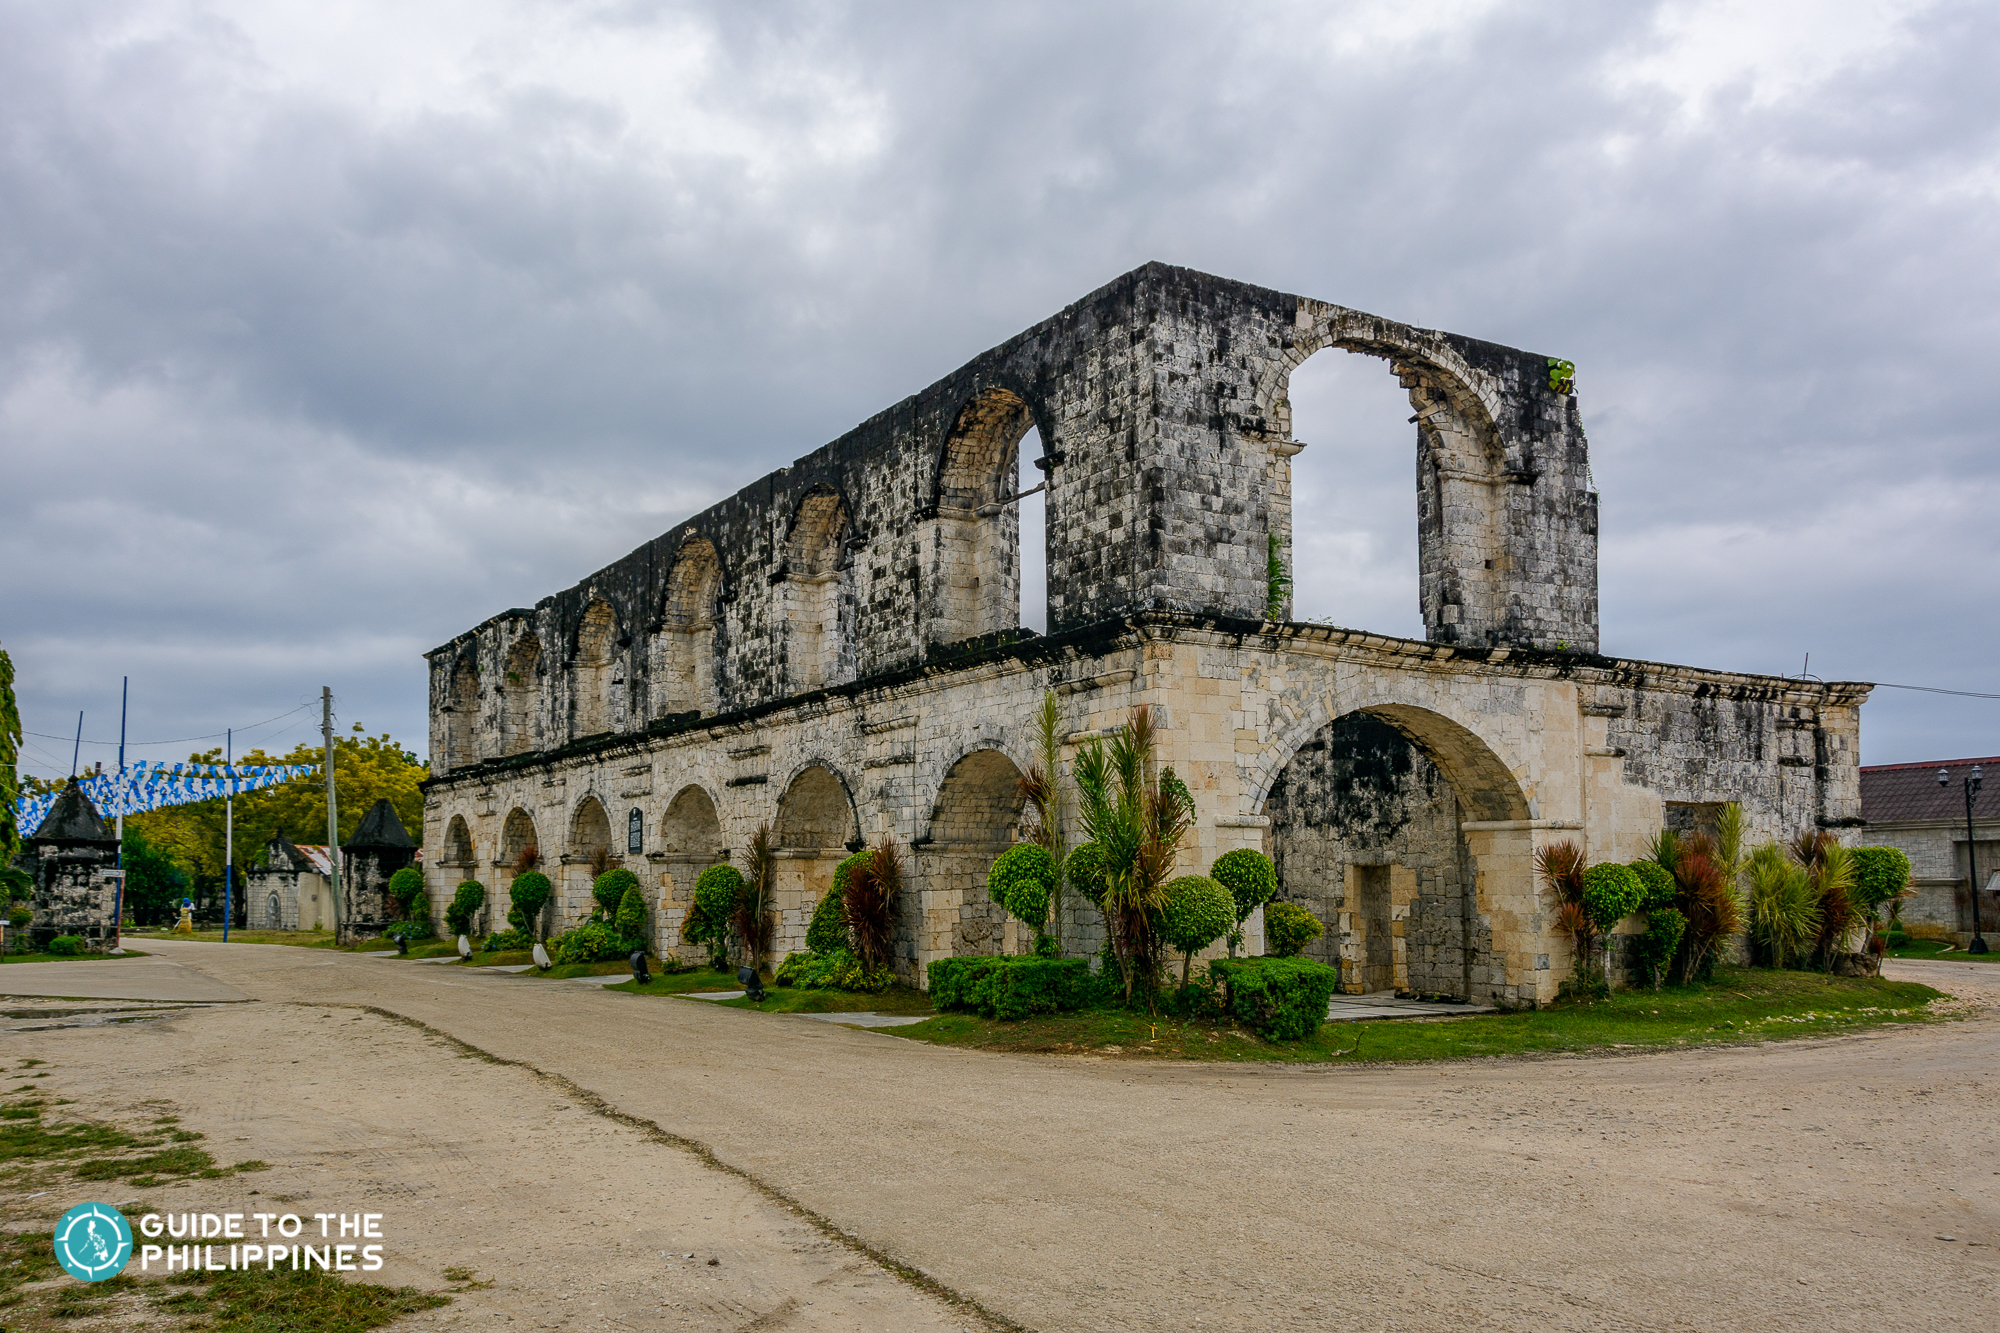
<point>1978,944</point>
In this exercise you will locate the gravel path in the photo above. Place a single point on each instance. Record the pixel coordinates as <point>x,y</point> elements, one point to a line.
<point>1795,1184</point>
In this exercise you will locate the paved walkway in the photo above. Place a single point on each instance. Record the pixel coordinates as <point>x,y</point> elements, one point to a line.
<point>1384,1004</point>
<point>1787,1185</point>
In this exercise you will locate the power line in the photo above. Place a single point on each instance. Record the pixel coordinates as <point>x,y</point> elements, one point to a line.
<point>1881,685</point>
<point>181,740</point>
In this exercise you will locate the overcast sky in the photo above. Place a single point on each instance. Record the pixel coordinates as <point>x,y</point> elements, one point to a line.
<point>328,330</point>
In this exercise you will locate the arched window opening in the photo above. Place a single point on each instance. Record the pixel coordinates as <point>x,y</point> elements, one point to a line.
<point>976,817</point>
<point>457,842</point>
<point>814,607</point>
<point>684,661</point>
<point>1353,504</point>
<point>520,696</point>
<point>975,584</point>
<point>590,831</point>
<point>462,730</point>
<point>518,842</point>
<point>1034,536</point>
<point>815,813</point>
<point>596,647</point>
<point>690,827</point>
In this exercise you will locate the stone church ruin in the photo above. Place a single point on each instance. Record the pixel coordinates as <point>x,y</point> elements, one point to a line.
<point>837,650</point>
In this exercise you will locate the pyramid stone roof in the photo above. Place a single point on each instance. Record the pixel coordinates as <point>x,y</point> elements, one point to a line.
<point>380,828</point>
<point>73,819</point>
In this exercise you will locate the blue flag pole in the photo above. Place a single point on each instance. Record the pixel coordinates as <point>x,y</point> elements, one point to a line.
<point>228,837</point>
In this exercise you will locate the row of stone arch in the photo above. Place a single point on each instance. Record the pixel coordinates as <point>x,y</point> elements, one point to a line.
<point>814,607</point>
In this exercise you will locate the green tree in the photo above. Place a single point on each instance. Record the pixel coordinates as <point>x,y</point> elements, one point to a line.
<point>630,917</point>
<point>154,885</point>
<point>1251,880</point>
<point>610,888</point>
<point>530,892</point>
<point>1023,881</point>
<point>465,904</point>
<point>406,890</point>
<point>366,769</point>
<point>1196,913</point>
<point>1289,928</point>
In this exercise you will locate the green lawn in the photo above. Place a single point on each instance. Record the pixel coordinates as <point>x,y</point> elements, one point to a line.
<point>68,957</point>
<point>307,939</point>
<point>1741,1005</point>
<point>1954,952</point>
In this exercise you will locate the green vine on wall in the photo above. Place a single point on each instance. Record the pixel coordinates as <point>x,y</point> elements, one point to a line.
<point>1277,583</point>
<point>1562,376</point>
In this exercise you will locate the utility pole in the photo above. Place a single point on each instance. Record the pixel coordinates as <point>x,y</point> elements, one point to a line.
<point>228,832</point>
<point>118,903</point>
<point>332,809</point>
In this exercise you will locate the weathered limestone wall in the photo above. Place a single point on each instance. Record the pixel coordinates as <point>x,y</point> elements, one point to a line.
<point>1517,738</point>
<point>1160,401</point>
<point>835,650</point>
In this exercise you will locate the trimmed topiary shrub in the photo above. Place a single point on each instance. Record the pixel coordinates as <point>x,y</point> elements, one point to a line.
<point>1251,880</point>
<point>66,946</point>
<point>1611,892</point>
<point>1657,883</point>
<point>1664,928</point>
<point>1880,875</point>
<point>1289,928</point>
<point>466,901</point>
<point>406,890</point>
<point>630,918</point>
<point>716,894</point>
<point>1085,870</point>
<point>828,932</point>
<point>1023,881</point>
<point>530,891</point>
<point>609,890</point>
<point>1010,987</point>
<point>1280,999</point>
<point>1197,912</point>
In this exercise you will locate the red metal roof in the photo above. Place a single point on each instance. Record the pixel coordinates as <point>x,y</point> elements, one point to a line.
<point>1891,793</point>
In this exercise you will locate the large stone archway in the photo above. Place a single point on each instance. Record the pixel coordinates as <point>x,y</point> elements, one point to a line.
<point>1411,841</point>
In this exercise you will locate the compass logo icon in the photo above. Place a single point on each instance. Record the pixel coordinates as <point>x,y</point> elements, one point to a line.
<point>93,1241</point>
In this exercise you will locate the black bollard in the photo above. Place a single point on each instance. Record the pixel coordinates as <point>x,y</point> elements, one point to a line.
<point>639,972</point>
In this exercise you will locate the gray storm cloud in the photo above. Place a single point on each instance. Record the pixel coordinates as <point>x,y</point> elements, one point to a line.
<point>328,334</point>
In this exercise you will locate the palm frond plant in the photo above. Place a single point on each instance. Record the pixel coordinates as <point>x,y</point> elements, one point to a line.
<point>873,887</point>
<point>1043,788</point>
<point>1138,823</point>
<point>1839,912</point>
<point>753,905</point>
<point>1560,865</point>
<point>1665,849</point>
<point>1709,901</point>
<point>1784,906</point>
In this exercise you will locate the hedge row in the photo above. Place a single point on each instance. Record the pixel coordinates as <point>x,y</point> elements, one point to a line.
<point>1011,987</point>
<point>1280,999</point>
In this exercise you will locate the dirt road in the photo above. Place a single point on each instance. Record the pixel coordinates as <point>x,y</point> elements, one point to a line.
<point>1793,1184</point>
